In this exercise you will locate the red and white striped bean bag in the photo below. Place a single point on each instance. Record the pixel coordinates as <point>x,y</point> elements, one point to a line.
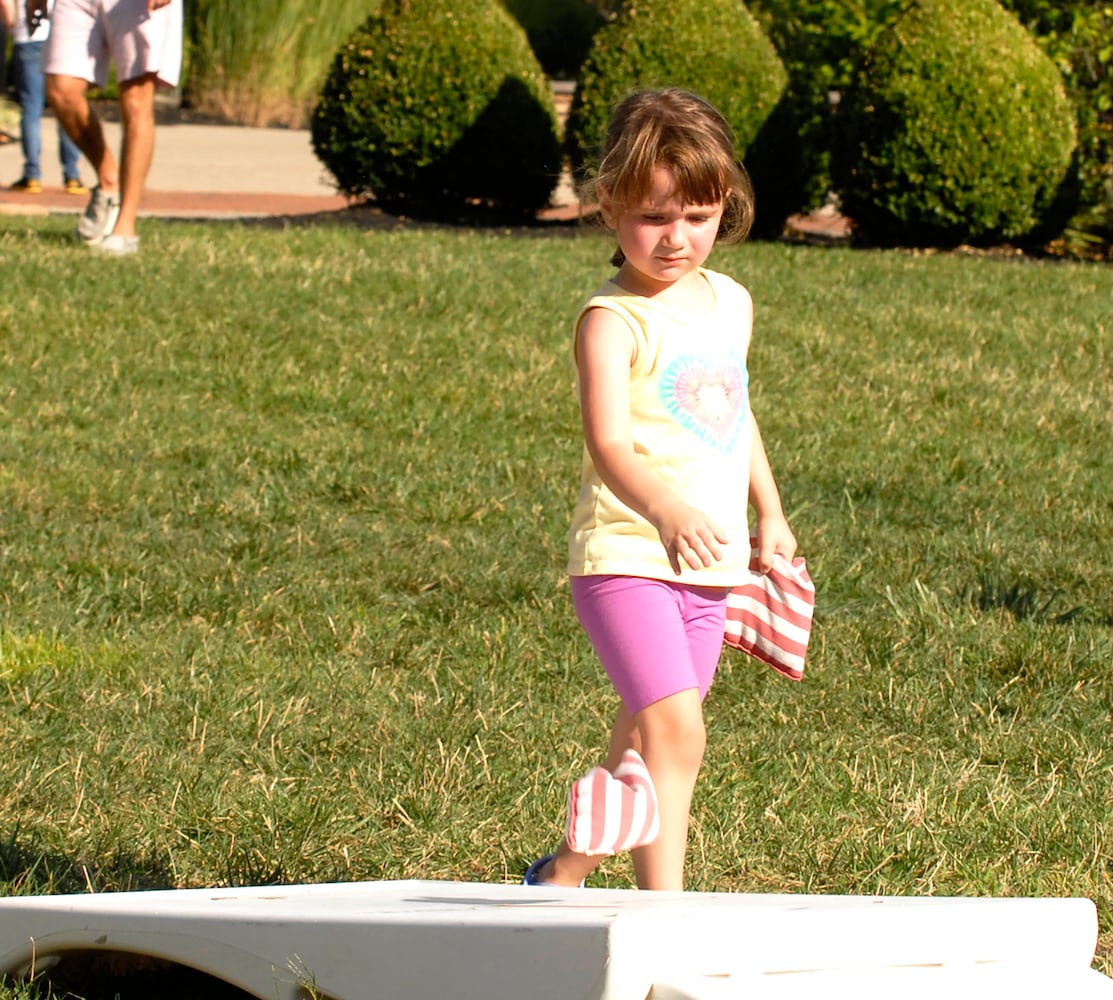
<point>770,617</point>
<point>608,813</point>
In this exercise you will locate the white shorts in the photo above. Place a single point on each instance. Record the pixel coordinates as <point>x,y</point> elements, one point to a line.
<point>85,34</point>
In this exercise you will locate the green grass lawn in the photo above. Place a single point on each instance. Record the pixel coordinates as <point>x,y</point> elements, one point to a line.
<point>282,529</point>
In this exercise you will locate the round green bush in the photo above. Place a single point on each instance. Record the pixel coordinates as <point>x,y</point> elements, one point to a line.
<point>431,105</point>
<point>713,48</point>
<point>957,129</point>
<point>1076,35</point>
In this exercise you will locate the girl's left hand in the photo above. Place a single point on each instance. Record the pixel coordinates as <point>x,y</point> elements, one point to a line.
<point>773,536</point>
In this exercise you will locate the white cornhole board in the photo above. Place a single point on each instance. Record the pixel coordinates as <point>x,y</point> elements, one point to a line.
<point>417,940</point>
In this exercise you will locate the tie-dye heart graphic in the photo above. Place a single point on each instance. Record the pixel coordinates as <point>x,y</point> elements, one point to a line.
<point>709,399</point>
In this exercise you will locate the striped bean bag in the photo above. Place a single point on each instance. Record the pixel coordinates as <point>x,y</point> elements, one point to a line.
<point>770,617</point>
<point>608,813</point>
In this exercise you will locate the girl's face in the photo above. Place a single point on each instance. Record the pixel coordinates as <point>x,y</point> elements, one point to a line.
<point>664,239</point>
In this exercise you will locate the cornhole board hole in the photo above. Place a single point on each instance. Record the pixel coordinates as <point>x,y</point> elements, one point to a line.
<point>417,940</point>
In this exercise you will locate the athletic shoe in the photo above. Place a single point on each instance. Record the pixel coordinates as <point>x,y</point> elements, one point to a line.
<point>116,245</point>
<point>99,217</point>
<point>28,185</point>
<point>74,186</point>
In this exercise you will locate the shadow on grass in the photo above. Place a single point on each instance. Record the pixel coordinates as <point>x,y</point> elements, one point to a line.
<point>28,870</point>
<point>1024,601</point>
<point>371,216</point>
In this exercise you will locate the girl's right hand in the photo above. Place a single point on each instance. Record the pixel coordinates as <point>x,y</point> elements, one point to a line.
<point>689,535</point>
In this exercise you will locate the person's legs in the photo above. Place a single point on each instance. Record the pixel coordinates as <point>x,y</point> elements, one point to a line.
<point>673,740</point>
<point>137,111</point>
<point>68,96</point>
<point>567,867</point>
<point>77,56</point>
<point>670,736</point>
<point>146,47</point>
<point>68,156</point>
<point>660,644</point>
<point>32,100</point>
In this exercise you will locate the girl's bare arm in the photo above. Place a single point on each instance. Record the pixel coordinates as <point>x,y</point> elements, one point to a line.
<point>773,533</point>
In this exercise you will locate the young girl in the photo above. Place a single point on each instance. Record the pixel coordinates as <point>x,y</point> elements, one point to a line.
<point>660,532</point>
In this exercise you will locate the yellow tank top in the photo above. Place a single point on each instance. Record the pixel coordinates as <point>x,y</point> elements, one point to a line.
<point>690,415</point>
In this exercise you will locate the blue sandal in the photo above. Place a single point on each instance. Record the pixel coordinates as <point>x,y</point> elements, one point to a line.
<point>533,872</point>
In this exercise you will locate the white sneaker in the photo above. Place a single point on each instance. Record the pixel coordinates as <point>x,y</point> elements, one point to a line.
<point>99,217</point>
<point>116,245</point>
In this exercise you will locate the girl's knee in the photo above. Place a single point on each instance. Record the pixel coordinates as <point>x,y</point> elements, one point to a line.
<point>674,728</point>
<point>689,743</point>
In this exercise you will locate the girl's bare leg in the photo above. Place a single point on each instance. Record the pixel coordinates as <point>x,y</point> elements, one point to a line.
<point>673,741</point>
<point>569,868</point>
<point>670,736</point>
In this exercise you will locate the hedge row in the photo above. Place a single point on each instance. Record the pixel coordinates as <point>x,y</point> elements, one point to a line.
<point>935,120</point>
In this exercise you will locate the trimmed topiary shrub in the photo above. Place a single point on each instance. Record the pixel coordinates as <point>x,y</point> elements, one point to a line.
<point>821,43</point>
<point>431,105</point>
<point>957,129</point>
<point>1077,35</point>
<point>713,48</point>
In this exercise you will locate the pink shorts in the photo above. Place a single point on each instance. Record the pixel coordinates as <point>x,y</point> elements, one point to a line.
<point>654,638</point>
<point>85,34</point>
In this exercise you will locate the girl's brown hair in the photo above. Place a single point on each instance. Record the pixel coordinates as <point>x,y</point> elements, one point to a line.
<point>679,130</point>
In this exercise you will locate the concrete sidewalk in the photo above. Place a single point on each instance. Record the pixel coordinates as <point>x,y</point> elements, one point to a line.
<point>213,172</point>
<point>207,171</point>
